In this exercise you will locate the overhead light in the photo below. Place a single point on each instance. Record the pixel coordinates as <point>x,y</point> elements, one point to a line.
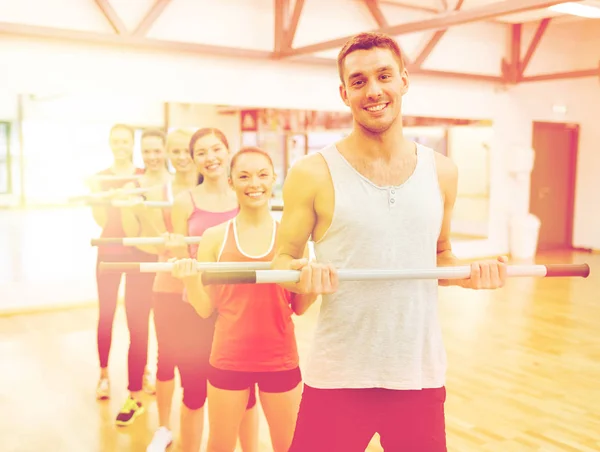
<point>577,9</point>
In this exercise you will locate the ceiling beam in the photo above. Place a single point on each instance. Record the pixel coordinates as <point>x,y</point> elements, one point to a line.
<point>147,44</point>
<point>510,69</point>
<point>440,22</point>
<point>457,75</point>
<point>375,11</point>
<point>150,17</point>
<point>132,42</point>
<point>437,36</point>
<point>377,14</point>
<point>563,75</point>
<point>280,13</point>
<point>113,18</point>
<point>535,41</point>
<point>320,61</point>
<point>410,6</point>
<point>293,24</point>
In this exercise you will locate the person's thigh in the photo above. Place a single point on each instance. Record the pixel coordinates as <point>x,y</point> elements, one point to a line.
<point>413,420</point>
<point>226,409</point>
<point>194,339</point>
<point>278,381</point>
<point>334,420</point>
<point>280,394</point>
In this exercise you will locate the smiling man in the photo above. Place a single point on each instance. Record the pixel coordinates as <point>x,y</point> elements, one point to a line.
<point>373,200</point>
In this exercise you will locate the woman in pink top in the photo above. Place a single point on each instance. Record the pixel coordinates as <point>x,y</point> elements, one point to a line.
<point>184,338</point>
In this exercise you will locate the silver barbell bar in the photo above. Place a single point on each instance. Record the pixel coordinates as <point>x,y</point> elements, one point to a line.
<point>458,272</point>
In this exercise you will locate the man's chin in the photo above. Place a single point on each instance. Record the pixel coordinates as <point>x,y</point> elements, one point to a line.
<point>376,127</point>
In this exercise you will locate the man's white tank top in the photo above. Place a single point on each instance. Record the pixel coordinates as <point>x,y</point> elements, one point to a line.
<point>380,334</point>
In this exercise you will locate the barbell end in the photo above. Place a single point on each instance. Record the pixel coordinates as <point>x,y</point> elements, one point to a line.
<point>561,270</point>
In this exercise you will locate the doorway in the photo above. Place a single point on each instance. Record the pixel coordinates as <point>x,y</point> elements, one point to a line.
<point>552,193</point>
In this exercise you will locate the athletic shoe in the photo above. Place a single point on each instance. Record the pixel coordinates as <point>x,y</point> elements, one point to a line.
<point>129,412</point>
<point>161,440</point>
<point>103,389</point>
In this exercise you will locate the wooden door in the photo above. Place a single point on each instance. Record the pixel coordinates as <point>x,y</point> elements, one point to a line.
<point>552,195</point>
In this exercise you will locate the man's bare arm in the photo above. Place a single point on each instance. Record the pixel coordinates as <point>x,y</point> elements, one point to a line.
<point>303,183</point>
<point>301,302</point>
<point>299,217</point>
<point>485,274</point>
<point>448,179</point>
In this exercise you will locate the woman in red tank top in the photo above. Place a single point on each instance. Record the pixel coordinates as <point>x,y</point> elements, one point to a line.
<point>254,340</point>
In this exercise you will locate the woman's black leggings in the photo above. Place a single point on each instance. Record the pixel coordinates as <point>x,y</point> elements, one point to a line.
<point>138,304</point>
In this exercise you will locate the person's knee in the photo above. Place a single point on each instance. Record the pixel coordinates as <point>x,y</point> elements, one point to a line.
<point>281,443</point>
<point>138,335</point>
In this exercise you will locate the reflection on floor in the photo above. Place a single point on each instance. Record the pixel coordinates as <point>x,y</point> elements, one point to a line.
<point>524,367</point>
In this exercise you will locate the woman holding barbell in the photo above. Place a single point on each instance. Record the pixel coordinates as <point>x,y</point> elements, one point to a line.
<point>254,340</point>
<point>184,339</point>
<point>166,288</point>
<point>139,220</point>
<point>121,140</point>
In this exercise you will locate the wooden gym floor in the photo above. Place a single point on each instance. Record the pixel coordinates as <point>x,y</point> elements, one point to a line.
<point>524,371</point>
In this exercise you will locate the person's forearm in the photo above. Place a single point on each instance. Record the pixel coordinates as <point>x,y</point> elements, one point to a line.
<point>132,226</point>
<point>198,297</point>
<point>447,259</point>
<point>282,262</point>
<point>300,303</point>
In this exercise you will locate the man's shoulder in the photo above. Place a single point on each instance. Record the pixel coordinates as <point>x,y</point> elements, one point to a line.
<point>447,172</point>
<point>445,165</point>
<point>310,165</point>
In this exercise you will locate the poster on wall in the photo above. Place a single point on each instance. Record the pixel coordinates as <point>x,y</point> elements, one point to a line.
<point>249,120</point>
<point>295,121</point>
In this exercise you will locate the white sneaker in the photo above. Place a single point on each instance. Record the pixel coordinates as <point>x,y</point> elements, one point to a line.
<point>161,440</point>
<point>103,389</point>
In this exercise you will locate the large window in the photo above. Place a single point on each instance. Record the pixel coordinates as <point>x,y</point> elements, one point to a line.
<point>62,154</point>
<point>5,161</point>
